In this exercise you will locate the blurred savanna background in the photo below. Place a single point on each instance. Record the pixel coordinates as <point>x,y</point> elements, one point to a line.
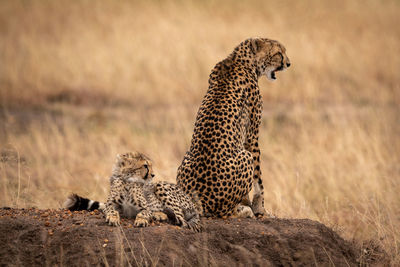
<point>81,81</point>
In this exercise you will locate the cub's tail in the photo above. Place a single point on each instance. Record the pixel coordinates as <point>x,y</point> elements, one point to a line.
<point>75,202</point>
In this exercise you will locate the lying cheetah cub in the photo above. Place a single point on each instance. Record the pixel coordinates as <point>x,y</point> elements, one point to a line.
<point>133,195</point>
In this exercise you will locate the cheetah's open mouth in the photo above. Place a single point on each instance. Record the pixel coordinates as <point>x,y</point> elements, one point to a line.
<point>273,76</point>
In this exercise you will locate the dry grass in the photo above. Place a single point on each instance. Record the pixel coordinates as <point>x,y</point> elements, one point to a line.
<point>81,81</point>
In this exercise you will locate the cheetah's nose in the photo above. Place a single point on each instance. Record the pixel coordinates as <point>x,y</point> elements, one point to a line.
<point>288,65</point>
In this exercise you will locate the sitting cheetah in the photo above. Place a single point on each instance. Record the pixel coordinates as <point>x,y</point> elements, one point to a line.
<point>133,195</point>
<point>223,161</point>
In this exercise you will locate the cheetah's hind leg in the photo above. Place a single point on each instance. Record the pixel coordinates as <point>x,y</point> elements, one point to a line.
<point>175,216</point>
<point>192,218</point>
<point>160,216</point>
<point>188,219</point>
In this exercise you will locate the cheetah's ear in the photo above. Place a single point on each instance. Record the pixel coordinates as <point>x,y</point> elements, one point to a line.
<point>255,44</point>
<point>118,158</point>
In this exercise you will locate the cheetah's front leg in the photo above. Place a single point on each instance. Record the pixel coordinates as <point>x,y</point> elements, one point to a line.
<point>112,215</point>
<point>257,204</point>
<point>143,218</point>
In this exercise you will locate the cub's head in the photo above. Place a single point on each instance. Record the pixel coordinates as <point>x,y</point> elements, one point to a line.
<point>133,167</point>
<point>269,55</point>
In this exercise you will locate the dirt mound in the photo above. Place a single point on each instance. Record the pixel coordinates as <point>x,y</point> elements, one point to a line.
<point>37,237</point>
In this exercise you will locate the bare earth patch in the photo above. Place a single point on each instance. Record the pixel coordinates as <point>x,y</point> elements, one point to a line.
<point>37,237</point>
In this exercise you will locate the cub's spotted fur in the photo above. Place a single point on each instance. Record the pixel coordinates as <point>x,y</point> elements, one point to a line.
<point>133,195</point>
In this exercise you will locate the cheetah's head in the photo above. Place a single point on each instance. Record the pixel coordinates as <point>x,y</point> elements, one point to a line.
<point>134,167</point>
<point>270,57</point>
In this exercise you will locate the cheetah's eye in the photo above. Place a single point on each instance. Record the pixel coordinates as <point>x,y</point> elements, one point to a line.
<point>277,55</point>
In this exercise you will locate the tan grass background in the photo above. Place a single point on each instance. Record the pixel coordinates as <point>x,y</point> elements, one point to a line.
<point>81,81</point>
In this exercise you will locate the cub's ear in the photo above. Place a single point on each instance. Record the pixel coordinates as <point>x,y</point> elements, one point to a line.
<point>255,44</point>
<point>118,159</point>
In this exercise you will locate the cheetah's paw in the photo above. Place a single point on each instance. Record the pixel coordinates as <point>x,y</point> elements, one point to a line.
<point>141,222</point>
<point>195,226</point>
<point>113,219</point>
<point>243,211</point>
<point>160,216</point>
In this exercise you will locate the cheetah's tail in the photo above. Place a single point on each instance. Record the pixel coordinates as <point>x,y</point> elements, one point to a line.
<point>75,202</point>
